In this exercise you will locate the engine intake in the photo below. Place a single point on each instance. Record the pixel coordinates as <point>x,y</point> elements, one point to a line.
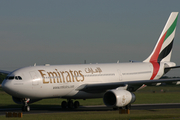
<point>118,98</point>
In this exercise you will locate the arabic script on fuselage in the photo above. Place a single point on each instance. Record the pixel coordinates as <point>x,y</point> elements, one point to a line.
<point>90,70</point>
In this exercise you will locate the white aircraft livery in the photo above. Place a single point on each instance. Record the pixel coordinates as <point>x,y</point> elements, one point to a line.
<point>114,82</point>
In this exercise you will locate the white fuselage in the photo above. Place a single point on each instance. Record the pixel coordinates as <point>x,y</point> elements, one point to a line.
<point>113,82</point>
<point>40,82</point>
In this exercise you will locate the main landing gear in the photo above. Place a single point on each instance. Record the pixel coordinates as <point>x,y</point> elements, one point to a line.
<point>69,104</point>
<point>25,106</point>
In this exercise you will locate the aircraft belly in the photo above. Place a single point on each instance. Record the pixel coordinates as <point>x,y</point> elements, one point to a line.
<point>84,95</point>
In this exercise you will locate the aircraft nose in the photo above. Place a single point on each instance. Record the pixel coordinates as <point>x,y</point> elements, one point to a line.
<point>7,86</point>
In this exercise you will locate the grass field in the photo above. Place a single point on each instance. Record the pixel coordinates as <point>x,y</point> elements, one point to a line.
<point>161,114</point>
<point>145,96</point>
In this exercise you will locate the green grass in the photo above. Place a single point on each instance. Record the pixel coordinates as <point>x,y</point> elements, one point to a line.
<point>141,98</point>
<point>160,114</point>
<point>145,96</point>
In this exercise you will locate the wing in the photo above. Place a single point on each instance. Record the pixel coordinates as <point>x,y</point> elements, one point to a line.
<point>132,85</point>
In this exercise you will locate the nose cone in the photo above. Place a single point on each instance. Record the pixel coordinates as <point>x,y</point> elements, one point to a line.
<point>7,86</point>
<point>4,85</point>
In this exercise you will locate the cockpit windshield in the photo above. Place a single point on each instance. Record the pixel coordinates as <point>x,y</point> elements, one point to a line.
<point>14,77</point>
<point>10,77</point>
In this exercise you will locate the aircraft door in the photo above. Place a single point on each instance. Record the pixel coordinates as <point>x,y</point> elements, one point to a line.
<point>35,80</point>
<point>119,75</point>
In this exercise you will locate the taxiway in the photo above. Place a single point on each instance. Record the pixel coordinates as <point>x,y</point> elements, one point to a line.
<point>53,109</point>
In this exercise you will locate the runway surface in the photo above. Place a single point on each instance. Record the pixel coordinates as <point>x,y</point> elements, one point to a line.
<point>58,109</point>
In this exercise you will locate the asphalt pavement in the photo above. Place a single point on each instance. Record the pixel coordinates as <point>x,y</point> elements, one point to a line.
<point>58,109</point>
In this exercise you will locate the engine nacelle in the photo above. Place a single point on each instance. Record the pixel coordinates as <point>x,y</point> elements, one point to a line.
<point>118,98</point>
<point>21,101</point>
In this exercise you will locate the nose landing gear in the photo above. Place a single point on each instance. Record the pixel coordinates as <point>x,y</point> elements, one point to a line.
<point>25,106</point>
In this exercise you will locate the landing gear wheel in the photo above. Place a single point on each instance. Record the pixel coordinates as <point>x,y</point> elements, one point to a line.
<point>64,104</point>
<point>26,108</point>
<point>76,104</point>
<point>128,106</point>
<point>23,108</point>
<point>70,104</point>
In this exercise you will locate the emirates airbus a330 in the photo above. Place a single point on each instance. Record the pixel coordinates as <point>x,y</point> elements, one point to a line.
<point>114,82</point>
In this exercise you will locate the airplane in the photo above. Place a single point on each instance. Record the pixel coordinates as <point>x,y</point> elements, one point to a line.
<point>114,82</point>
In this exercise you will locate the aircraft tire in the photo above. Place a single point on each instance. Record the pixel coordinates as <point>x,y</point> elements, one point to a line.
<point>76,104</point>
<point>64,104</point>
<point>27,108</point>
<point>23,108</point>
<point>128,106</point>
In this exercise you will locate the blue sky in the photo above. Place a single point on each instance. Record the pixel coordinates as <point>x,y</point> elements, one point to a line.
<point>69,31</point>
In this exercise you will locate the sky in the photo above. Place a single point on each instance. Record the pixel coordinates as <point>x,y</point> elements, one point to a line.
<point>71,31</point>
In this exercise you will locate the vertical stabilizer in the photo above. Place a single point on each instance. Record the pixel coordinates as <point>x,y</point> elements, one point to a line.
<point>163,49</point>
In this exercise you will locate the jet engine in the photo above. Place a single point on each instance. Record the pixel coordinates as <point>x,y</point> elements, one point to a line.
<point>118,98</point>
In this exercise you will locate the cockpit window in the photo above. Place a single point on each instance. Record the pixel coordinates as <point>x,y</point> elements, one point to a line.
<point>10,77</point>
<point>20,78</point>
<point>14,77</point>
